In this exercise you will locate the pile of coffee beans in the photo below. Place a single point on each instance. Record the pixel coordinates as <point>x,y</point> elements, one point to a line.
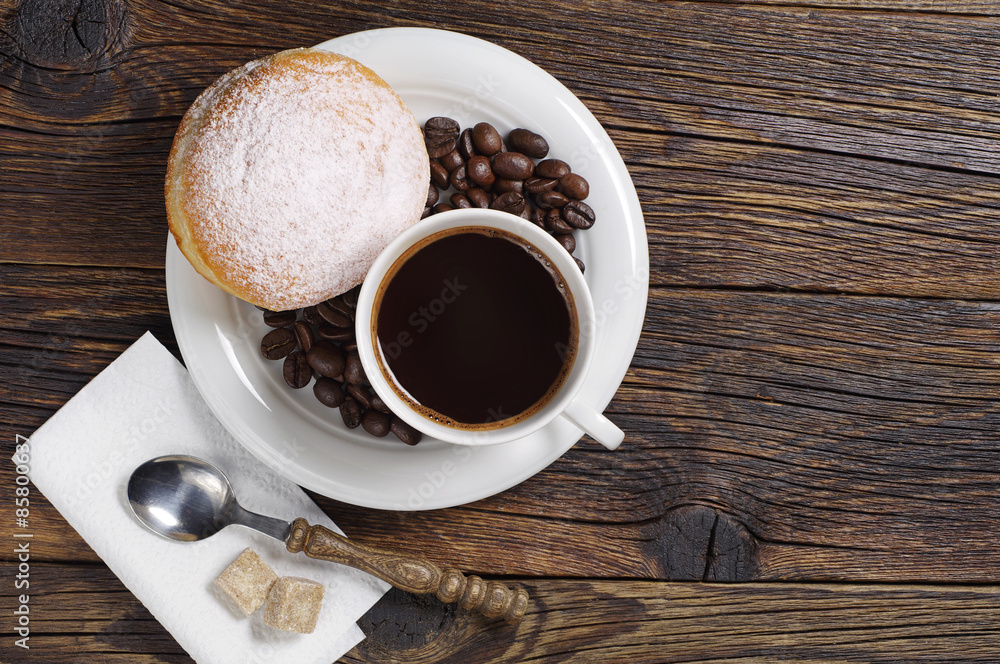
<point>484,170</point>
<point>481,169</point>
<point>318,342</point>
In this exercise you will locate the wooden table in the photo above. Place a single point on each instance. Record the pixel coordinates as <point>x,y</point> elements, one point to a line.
<point>811,465</point>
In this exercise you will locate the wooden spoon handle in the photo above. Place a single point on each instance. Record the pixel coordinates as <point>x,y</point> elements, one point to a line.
<point>415,575</point>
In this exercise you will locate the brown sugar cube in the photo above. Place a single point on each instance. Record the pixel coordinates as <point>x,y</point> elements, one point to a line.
<point>293,604</point>
<point>247,581</point>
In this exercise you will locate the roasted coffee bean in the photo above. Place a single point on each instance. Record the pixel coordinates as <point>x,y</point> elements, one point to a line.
<point>486,139</point>
<point>361,393</point>
<point>331,333</point>
<point>379,405</point>
<point>354,373</point>
<point>552,168</point>
<point>439,146</point>
<point>441,125</point>
<point>326,359</point>
<point>554,223</point>
<point>512,165</point>
<point>579,264</point>
<point>329,392</point>
<point>480,171</point>
<point>574,186</point>
<point>567,241</point>
<point>452,160</point>
<point>511,202</point>
<point>338,304</point>
<point>349,346</point>
<point>538,217</point>
<point>280,318</point>
<point>551,199</point>
<point>296,370</point>
<point>528,142</point>
<point>277,344</point>
<point>304,337</point>
<point>260,308</point>
<point>439,175</point>
<point>352,413</point>
<point>537,185</point>
<point>466,147</point>
<point>310,315</point>
<point>578,215</point>
<point>375,423</point>
<point>432,195</point>
<point>442,207</point>
<point>426,213</point>
<point>404,431</point>
<point>503,185</point>
<point>332,316</point>
<point>478,197</point>
<point>459,179</point>
<point>526,212</point>
<point>350,298</point>
<point>460,201</point>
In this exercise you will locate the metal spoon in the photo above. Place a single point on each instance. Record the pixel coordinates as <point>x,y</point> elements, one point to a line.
<point>188,499</point>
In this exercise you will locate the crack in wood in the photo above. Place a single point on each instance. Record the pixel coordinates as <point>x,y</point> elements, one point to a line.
<point>60,46</point>
<point>710,551</point>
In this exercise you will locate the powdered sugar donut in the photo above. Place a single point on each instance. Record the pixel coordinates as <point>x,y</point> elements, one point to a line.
<point>289,175</point>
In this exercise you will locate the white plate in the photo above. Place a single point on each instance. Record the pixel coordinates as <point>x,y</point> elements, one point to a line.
<point>437,73</point>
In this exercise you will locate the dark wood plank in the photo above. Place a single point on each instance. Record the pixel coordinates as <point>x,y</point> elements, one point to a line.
<point>86,129</point>
<point>832,147</point>
<point>769,436</point>
<point>83,613</point>
<point>966,8</point>
<point>911,87</point>
<point>753,216</point>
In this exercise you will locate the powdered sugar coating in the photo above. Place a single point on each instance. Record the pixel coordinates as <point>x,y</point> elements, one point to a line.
<point>303,167</point>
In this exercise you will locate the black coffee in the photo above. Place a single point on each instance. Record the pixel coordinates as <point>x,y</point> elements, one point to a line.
<point>476,328</point>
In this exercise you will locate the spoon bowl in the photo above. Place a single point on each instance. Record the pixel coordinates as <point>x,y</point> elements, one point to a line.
<point>187,499</point>
<point>181,497</point>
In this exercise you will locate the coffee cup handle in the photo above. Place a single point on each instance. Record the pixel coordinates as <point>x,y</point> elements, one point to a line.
<point>594,424</point>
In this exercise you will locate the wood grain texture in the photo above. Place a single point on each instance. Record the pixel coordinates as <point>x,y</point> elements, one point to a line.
<point>815,395</point>
<point>757,216</point>
<point>769,436</point>
<point>834,137</point>
<point>84,614</point>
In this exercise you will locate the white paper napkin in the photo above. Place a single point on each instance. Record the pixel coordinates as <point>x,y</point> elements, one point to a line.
<point>142,406</point>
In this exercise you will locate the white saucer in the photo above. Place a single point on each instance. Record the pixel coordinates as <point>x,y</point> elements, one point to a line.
<point>437,73</point>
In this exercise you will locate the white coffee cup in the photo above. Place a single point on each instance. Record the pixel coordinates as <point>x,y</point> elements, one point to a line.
<point>564,403</point>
